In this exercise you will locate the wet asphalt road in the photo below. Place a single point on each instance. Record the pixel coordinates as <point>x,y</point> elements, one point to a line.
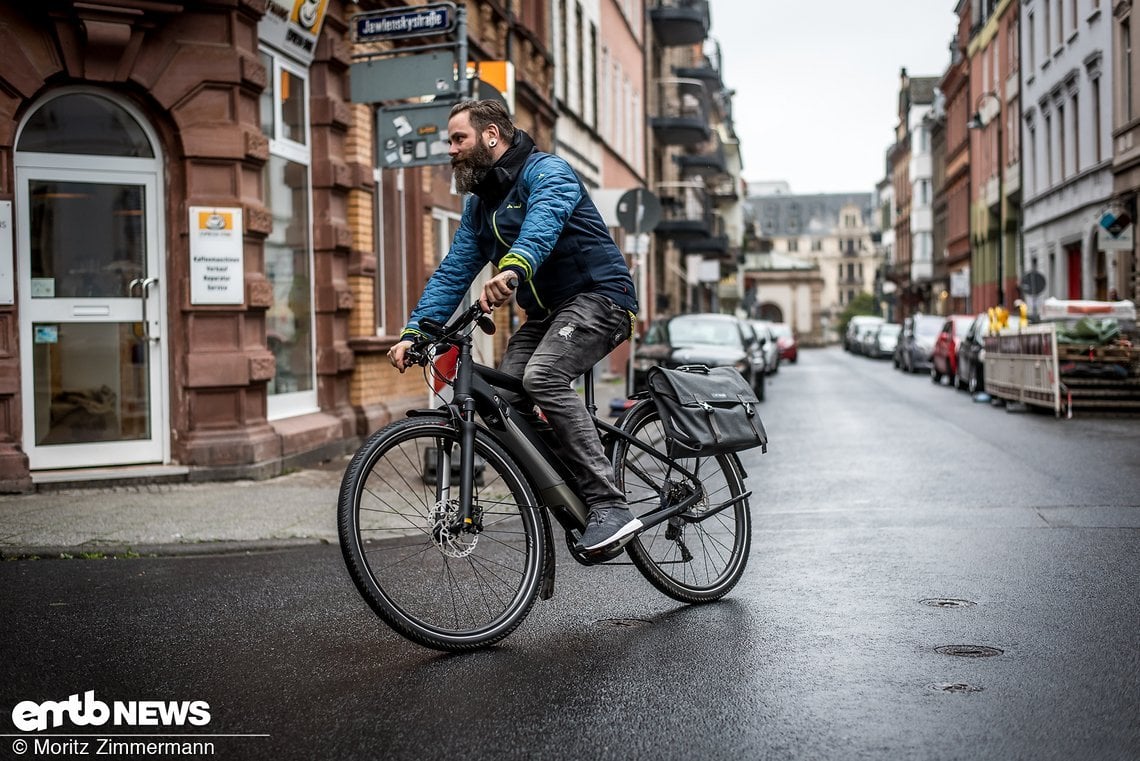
<point>879,491</point>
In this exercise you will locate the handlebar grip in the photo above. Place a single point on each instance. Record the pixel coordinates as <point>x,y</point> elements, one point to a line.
<point>513,283</point>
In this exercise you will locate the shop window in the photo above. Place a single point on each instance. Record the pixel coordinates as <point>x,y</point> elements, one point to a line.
<point>288,247</point>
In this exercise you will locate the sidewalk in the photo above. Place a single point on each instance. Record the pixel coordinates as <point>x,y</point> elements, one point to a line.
<point>186,518</point>
<point>169,519</point>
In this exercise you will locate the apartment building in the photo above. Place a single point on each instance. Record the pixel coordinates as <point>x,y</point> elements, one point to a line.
<point>694,162</point>
<point>995,170</point>
<point>912,174</point>
<point>831,232</point>
<point>1122,272</point>
<point>952,193</point>
<point>1067,81</point>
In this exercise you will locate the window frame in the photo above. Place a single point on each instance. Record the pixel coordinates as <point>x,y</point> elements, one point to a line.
<point>291,404</point>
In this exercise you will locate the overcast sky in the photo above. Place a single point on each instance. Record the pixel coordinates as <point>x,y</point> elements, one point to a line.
<point>817,82</point>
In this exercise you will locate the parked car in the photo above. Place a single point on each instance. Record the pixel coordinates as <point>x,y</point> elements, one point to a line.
<point>884,340</point>
<point>786,341</point>
<point>944,357</point>
<point>972,356</point>
<point>768,343</point>
<point>917,342</point>
<point>716,340</point>
<point>856,329</point>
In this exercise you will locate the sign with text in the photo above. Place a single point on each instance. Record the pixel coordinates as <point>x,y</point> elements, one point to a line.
<point>293,28</point>
<point>412,135</point>
<point>398,23</point>
<point>217,259</point>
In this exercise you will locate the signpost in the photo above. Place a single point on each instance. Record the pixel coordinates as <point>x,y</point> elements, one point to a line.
<point>411,134</point>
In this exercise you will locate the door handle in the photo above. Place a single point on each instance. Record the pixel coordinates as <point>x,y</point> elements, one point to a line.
<point>144,285</point>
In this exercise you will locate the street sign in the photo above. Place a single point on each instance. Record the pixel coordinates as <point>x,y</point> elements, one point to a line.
<point>1032,283</point>
<point>638,211</point>
<point>410,76</point>
<point>412,135</point>
<point>399,23</point>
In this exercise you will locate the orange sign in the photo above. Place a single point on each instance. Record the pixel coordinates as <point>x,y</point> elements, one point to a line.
<point>215,220</point>
<point>309,14</point>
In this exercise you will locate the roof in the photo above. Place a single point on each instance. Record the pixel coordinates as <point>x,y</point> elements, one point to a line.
<point>774,260</point>
<point>818,214</point>
<point>922,90</point>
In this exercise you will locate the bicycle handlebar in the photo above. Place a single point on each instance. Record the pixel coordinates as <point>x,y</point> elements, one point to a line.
<point>418,352</point>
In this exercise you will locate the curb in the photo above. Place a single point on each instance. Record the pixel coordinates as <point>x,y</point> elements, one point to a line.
<point>132,552</point>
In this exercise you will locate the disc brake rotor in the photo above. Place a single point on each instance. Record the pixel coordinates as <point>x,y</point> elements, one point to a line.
<point>453,544</point>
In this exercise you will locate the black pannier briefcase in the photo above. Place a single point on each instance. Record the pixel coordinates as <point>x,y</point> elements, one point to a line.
<point>706,411</point>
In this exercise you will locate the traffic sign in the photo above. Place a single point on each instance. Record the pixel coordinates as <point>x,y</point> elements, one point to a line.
<point>638,211</point>
<point>1032,283</point>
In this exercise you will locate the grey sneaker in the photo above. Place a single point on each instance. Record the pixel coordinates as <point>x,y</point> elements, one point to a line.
<point>606,525</point>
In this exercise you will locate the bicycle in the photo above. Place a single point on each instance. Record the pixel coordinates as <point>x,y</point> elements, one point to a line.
<point>460,568</point>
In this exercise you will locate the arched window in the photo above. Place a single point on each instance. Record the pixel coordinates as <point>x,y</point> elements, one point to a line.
<point>82,123</point>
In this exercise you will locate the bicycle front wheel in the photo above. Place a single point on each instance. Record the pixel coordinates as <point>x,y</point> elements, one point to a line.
<point>697,556</point>
<point>440,587</point>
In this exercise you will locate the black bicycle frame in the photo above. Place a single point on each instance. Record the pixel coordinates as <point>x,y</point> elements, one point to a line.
<point>475,392</point>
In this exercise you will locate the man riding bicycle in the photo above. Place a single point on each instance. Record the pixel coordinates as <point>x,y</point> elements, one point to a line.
<point>530,215</point>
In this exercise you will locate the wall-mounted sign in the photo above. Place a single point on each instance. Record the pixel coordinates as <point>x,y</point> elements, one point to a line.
<point>398,23</point>
<point>1115,233</point>
<point>959,283</point>
<point>7,252</point>
<point>293,26</point>
<point>217,259</point>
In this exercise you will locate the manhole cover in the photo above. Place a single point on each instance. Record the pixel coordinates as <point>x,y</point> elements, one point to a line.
<point>969,651</point>
<point>947,602</point>
<point>627,622</point>
<point>955,687</point>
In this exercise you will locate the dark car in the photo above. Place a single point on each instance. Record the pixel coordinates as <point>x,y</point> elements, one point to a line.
<point>786,340</point>
<point>917,342</point>
<point>715,340</point>
<point>944,357</point>
<point>972,356</point>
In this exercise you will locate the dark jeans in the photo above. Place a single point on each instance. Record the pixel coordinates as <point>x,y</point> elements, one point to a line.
<point>548,355</point>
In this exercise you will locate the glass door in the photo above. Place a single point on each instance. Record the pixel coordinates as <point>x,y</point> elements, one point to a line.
<point>92,317</point>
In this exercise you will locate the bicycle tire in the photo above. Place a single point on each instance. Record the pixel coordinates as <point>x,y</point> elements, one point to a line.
<point>723,541</point>
<point>444,592</point>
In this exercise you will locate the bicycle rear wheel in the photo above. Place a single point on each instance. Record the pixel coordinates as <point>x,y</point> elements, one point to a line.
<point>696,556</point>
<point>443,590</point>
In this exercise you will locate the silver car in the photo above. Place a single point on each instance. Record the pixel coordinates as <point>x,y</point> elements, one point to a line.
<point>764,334</point>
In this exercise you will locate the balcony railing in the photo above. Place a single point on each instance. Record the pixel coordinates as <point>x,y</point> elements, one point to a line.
<point>682,113</point>
<point>680,22</point>
<point>713,246</point>
<point>707,164</point>
<point>686,214</point>
<point>725,190</point>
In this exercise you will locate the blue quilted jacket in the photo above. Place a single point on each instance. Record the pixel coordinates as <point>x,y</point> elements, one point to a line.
<point>530,215</point>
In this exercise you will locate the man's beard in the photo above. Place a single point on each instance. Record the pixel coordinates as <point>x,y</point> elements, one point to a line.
<point>472,168</point>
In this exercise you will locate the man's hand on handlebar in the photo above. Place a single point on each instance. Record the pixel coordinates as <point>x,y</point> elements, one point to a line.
<point>396,355</point>
<point>498,289</point>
